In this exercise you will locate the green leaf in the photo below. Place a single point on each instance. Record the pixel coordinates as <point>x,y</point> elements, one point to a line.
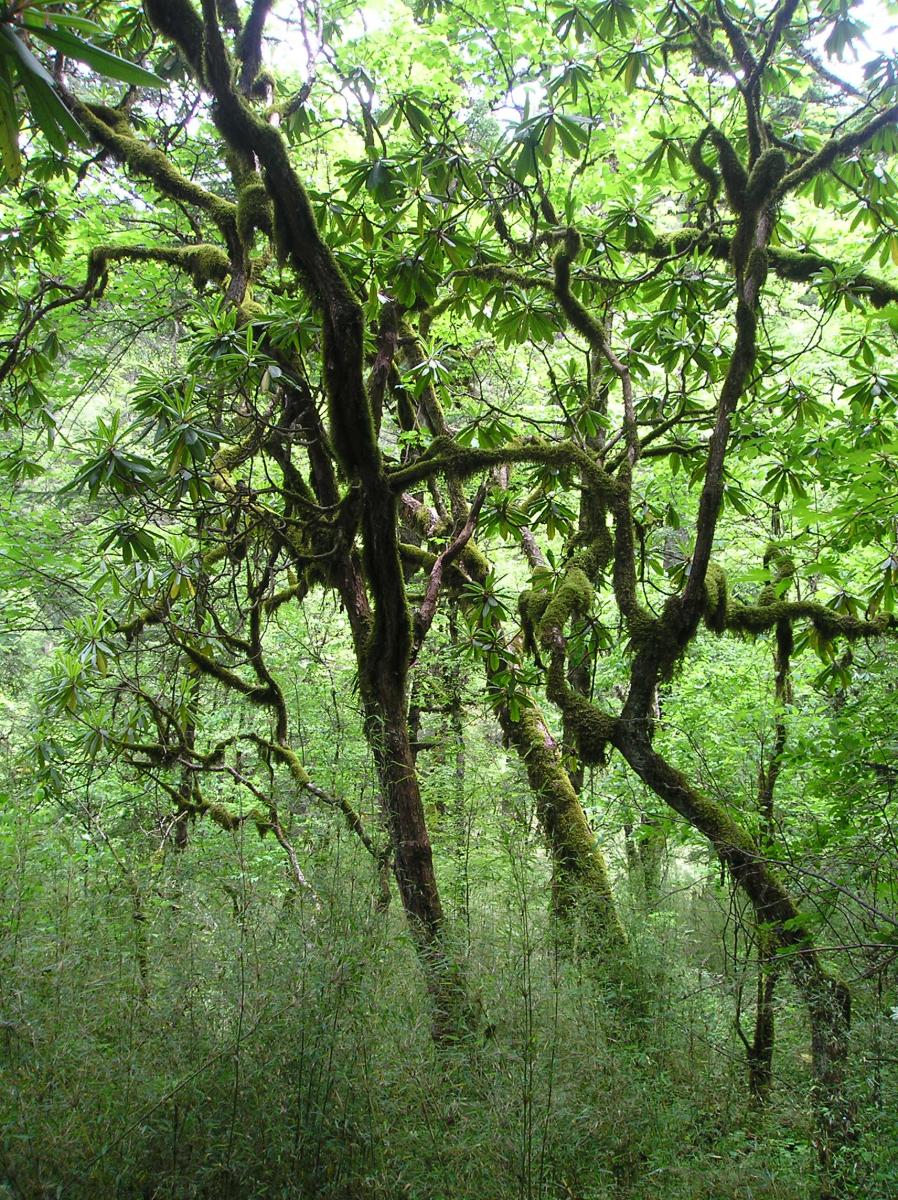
<point>102,61</point>
<point>31,15</point>
<point>54,119</point>
<point>9,125</point>
<point>12,45</point>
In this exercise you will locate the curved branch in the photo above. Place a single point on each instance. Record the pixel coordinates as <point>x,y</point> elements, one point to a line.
<point>110,128</point>
<point>796,266</point>
<point>203,262</point>
<point>757,618</point>
<point>446,457</point>
<point>836,147</point>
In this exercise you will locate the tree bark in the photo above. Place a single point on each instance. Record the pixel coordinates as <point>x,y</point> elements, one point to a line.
<point>581,883</point>
<point>827,1000</point>
<point>760,1049</point>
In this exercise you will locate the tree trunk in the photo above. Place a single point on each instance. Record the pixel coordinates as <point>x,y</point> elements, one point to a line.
<point>383,685</point>
<point>827,1000</point>
<point>461,832</point>
<point>760,1052</point>
<point>581,882</point>
<point>760,1049</point>
<point>386,727</point>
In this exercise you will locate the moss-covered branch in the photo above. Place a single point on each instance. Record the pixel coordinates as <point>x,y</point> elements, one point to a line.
<point>197,805</point>
<point>112,130</point>
<point>255,693</point>
<point>581,876</point>
<point>427,610</point>
<point>446,457</point>
<point>249,44</point>
<point>749,257</point>
<point>757,618</point>
<point>837,148</point>
<point>793,265</point>
<point>204,263</point>
<point>156,612</point>
<point>594,332</point>
<point>591,727</point>
<point>290,759</point>
<point>826,999</point>
<point>493,273</point>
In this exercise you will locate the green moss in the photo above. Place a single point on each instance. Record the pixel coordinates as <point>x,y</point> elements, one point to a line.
<point>572,243</point>
<point>592,728</point>
<point>577,316</point>
<point>572,598</point>
<point>748,618</point>
<point>220,814</point>
<point>476,560</point>
<point>748,259</point>
<point>263,86</point>
<point>532,604</point>
<point>581,876</point>
<point>644,628</point>
<point>206,264</point>
<point>701,168</point>
<point>153,164</point>
<point>735,177</point>
<point>230,456</point>
<point>116,118</point>
<point>445,456</point>
<point>417,556</point>
<point>203,262</point>
<point>255,693</point>
<point>765,176</point>
<point>595,557</point>
<point>796,266</point>
<point>249,312</point>
<point>280,235</point>
<point>291,760</point>
<point>757,265</point>
<point>178,20</point>
<point>708,53</point>
<point>779,561</point>
<point>716,598</point>
<point>254,210</point>
<point>804,267</point>
<point>781,567</point>
<point>497,274</point>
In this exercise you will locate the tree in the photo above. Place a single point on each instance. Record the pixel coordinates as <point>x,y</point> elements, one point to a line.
<point>408,251</point>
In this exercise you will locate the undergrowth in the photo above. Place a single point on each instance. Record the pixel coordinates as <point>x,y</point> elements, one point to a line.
<point>276,1044</point>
